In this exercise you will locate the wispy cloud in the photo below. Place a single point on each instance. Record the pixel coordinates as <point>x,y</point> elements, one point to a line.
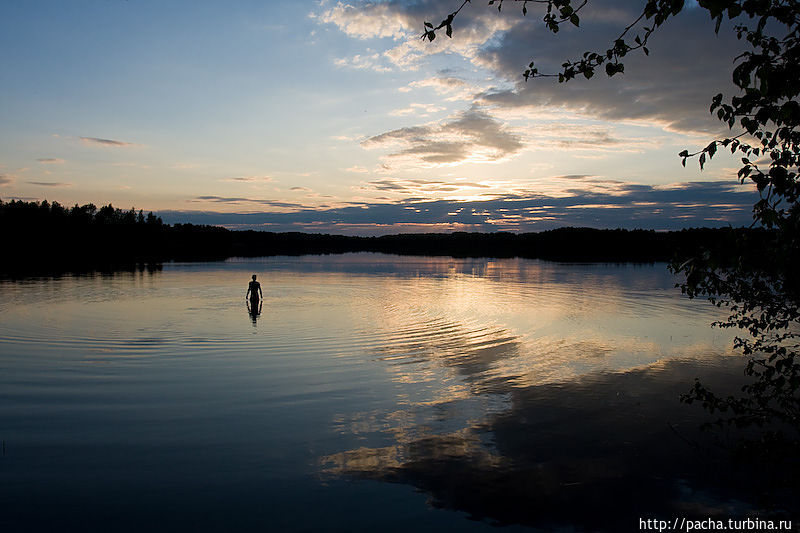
<point>373,62</point>
<point>249,179</point>
<point>51,161</point>
<point>7,179</point>
<point>50,183</point>
<point>427,188</point>
<point>23,198</point>
<point>358,169</point>
<point>441,85</point>
<point>356,137</point>
<point>110,143</point>
<point>239,200</point>
<point>416,109</point>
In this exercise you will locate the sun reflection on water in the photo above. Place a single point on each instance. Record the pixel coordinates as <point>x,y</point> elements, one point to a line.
<point>486,383</point>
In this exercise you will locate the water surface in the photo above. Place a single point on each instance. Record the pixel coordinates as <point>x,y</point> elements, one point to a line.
<point>370,392</point>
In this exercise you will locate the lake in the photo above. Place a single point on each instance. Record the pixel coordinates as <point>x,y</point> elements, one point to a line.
<point>369,392</point>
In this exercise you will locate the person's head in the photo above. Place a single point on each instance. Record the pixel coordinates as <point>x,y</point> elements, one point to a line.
<point>254,277</point>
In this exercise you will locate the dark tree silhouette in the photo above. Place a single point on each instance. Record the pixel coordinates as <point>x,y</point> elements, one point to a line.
<point>756,278</point>
<point>45,237</point>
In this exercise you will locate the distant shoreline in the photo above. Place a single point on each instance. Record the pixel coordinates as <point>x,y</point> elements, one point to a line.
<point>43,237</point>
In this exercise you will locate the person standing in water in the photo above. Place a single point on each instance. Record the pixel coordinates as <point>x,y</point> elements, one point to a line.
<point>253,290</point>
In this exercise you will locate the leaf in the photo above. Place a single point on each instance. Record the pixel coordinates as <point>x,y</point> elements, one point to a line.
<point>574,19</point>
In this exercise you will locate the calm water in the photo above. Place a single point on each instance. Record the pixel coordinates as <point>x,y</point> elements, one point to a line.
<point>371,392</point>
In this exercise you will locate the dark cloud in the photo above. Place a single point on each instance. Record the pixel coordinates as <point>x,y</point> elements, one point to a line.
<point>387,185</point>
<point>50,183</point>
<point>233,200</point>
<point>419,186</point>
<point>687,65</point>
<point>106,142</point>
<point>50,160</point>
<point>472,134</point>
<point>573,177</point>
<point>249,179</point>
<point>6,179</point>
<point>609,205</point>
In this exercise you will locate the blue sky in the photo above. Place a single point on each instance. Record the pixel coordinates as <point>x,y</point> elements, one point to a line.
<point>336,117</point>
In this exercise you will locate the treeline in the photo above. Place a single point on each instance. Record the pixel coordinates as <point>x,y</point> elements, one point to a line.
<point>43,236</point>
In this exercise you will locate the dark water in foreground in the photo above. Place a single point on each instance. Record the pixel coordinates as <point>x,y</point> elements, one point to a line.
<point>371,393</point>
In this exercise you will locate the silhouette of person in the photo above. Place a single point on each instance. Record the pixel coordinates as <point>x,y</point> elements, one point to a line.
<point>254,290</point>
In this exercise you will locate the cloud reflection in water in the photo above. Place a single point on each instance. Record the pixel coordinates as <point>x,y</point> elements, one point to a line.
<point>568,420</point>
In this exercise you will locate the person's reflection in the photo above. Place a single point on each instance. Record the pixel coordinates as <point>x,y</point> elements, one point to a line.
<point>254,308</point>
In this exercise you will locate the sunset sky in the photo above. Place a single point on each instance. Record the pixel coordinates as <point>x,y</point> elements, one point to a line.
<point>336,116</point>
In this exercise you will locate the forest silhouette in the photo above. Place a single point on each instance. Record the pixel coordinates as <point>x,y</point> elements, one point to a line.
<point>44,237</point>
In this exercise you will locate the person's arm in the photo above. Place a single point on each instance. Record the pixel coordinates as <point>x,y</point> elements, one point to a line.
<point>260,293</point>
<point>247,293</point>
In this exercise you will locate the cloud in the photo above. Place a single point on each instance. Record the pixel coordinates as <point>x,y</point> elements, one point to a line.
<point>429,188</point>
<point>363,62</point>
<point>476,32</point>
<point>51,161</point>
<point>367,20</point>
<point>258,201</point>
<point>249,179</point>
<point>402,23</point>
<point>347,137</point>
<point>106,142</point>
<point>24,198</point>
<point>577,177</point>
<point>472,135</point>
<point>50,183</point>
<point>441,85</point>
<point>7,179</point>
<point>451,88</point>
<point>358,169</point>
<point>600,203</point>
<point>417,109</point>
<point>671,88</point>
